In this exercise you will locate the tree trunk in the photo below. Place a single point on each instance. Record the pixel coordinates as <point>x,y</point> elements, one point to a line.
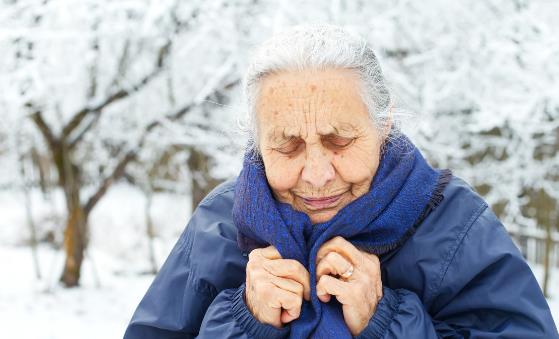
<point>202,182</point>
<point>75,234</point>
<point>74,246</point>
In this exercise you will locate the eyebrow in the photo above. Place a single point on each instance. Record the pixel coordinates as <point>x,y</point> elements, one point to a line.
<point>275,135</point>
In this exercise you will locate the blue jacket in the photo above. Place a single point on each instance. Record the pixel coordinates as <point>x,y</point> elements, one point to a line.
<point>458,276</point>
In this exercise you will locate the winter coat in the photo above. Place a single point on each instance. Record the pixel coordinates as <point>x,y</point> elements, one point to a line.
<point>459,276</point>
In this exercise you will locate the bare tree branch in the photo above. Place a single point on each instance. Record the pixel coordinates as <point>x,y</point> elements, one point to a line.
<point>115,175</point>
<point>122,65</point>
<point>131,155</point>
<point>72,143</point>
<point>124,93</point>
<point>44,128</point>
<point>118,95</point>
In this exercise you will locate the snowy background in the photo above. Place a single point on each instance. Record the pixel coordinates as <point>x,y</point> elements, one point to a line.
<point>118,116</point>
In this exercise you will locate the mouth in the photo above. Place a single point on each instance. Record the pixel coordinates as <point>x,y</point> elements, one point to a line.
<point>322,203</point>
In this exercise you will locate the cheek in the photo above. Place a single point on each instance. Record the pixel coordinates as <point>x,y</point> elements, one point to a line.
<point>357,165</point>
<point>282,174</point>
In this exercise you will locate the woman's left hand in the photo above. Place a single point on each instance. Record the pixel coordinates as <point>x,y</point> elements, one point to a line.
<point>360,291</point>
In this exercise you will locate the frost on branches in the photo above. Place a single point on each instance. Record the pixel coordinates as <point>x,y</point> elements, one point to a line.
<point>98,91</point>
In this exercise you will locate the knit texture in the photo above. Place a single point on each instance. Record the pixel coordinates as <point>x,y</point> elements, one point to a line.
<point>403,190</point>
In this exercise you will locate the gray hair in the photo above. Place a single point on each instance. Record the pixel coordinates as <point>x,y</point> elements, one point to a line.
<point>317,47</point>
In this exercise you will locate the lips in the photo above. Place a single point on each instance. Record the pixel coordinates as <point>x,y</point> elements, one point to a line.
<point>322,203</point>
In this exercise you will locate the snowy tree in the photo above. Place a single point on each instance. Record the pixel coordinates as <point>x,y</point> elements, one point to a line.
<point>102,82</point>
<point>113,88</point>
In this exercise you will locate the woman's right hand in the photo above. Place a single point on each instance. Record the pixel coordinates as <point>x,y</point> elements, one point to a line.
<point>275,287</point>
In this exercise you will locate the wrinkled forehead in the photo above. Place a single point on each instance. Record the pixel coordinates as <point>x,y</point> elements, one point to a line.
<point>303,85</point>
<point>326,101</point>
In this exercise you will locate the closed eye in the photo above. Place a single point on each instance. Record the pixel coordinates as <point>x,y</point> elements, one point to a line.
<point>336,141</point>
<point>291,146</point>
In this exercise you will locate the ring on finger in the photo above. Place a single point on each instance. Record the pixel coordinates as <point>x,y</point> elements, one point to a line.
<point>348,272</point>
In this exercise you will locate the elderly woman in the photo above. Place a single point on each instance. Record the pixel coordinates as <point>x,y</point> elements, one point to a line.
<point>337,226</point>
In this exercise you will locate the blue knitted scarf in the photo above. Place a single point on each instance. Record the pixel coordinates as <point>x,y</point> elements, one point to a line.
<point>405,188</point>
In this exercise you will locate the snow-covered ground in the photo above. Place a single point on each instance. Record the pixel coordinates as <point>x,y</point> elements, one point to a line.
<point>113,274</point>
<point>112,281</point>
<point>42,309</point>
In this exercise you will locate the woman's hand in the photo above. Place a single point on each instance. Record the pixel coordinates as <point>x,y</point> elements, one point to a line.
<point>275,287</point>
<point>360,291</point>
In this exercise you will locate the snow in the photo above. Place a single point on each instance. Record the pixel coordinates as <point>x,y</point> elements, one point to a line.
<point>41,309</point>
<point>113,273</point>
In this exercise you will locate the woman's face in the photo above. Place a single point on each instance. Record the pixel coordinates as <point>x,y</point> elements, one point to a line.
<point>319,146</point>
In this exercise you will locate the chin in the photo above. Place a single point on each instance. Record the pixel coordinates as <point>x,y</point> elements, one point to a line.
<point>320,217</point>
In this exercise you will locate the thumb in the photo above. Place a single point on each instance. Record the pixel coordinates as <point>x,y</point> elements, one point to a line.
<point>287,317</point>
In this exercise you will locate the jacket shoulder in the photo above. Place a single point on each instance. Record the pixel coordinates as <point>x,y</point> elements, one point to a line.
<point>223,191</point>
<point>421,262</point>
<point>215,260</point>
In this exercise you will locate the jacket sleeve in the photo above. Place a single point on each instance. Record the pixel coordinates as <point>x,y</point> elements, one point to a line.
<point>196,292</point>
<point>486,290</point>
<point>229,317</point>
<point>167,310</point>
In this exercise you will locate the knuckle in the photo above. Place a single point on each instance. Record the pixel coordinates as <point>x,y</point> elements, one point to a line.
<point>294,267</point>
<point>294,301</point>
<point>286,266</point>
<point>323,281</point>
<point>299,289</point>
<point>328,257</point>
<point>299,269</point>
<point>374,260</point>
<point>337,240</point>
<point>337,259</point>
<point>251,265</point>
<point>253,254</point>
<point>269,266</point>
<point>252,270</point>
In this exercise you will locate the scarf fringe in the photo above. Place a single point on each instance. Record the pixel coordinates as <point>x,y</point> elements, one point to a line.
<point>437,196</point>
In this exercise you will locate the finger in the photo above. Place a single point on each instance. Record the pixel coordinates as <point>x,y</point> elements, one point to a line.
<point>379,289</point>
<point>372,269</point>
<point>328,285</point>
<point>333,263</point>
<point>286,317</point>
<point>270,252</point>
<point>288,301</point>
<point>259,254</point>
<point>288,285</point>
<point>292,269</point>
<point>342,246</point>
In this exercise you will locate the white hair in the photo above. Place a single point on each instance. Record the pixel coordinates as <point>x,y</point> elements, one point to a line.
<point>317,47</point>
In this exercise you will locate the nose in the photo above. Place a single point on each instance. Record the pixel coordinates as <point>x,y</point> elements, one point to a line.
<point>318,170</point>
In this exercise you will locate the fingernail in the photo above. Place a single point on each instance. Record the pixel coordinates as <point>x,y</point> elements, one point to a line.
<point>320,293</point>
